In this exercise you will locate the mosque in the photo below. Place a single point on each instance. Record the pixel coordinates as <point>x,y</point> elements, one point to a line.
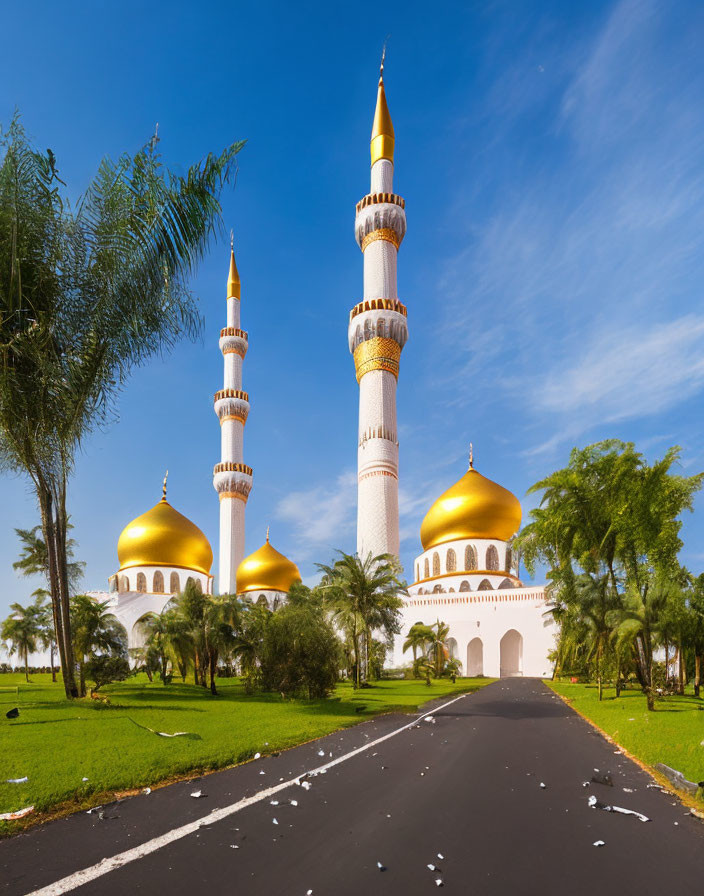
<point>465,576</point>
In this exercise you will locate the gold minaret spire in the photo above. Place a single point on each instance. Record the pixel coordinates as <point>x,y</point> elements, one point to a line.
<point>163,487</point>
<point>382,144</point>
<point>233,280</point>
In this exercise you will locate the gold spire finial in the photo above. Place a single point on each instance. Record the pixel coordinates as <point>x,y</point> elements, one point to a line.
<point>163,487</point>
<point>471,456</point>
<point>382,143</point>
<point>267,535</point>
<point>233,279</point>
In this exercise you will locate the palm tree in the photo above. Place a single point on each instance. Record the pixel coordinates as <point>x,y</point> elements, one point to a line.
<point>419,636</point>
<point>639,623</point>
<point>95,631</point>
<point>22,631</point>
<point>222,624</point>
<point>47,632</point>
<point>597,603</point>
<point>88,292</point>
<point>190,607</point>
<point>363,595</point>
<point>438,646</point>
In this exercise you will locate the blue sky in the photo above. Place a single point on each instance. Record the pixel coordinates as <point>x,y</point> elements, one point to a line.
<point>550,155</point>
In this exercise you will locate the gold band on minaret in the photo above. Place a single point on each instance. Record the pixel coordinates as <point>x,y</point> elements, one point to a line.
<point>378,353</point>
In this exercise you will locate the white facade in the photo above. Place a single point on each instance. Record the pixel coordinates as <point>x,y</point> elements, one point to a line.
<point>377,333</point>
<point>498,626</point>
<point>232,478</point>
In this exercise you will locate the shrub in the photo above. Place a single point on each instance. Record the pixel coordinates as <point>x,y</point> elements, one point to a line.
<point>104,669</point>
<point>301,653</point>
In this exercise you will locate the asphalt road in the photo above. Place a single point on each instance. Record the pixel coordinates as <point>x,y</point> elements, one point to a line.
<point>466,786</point>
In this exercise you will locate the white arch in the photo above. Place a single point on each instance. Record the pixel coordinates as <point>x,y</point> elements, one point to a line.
<point>511,654</point>
<point>475,658</point>
<point>451,645</point>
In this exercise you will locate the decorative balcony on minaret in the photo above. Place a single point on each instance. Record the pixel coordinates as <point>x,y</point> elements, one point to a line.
<point>377,333</point>
<point>232,478</point>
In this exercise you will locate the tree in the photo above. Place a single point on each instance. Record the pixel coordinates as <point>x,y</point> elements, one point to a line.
<point>248,644</point>
<point>105,669</point>
<point>22,632</point>
<point>47,632</point>
<point>611,515</point>
<point>96,631</point>
<point>301,652</point>
<point>363,595</point>
<point>88,292</point>
<point>438,646</point>
<point>418,638</point>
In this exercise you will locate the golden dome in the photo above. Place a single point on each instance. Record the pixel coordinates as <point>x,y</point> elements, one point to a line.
<point>266,570</point>
<point>164,537</point>
<point>474,507</point>
<point>382,143</point>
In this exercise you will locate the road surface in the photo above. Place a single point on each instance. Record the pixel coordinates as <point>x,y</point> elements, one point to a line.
<point>465,785</point>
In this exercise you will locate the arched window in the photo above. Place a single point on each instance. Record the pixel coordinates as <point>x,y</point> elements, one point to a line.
<point>417,571</point>
<point>509,559</point>
<point>485,585</point>
<point>437,589</point>
<point>174,583</point>
<point>141,582</point>
<point>190,581</point>
<point>436,564</point>
<point>492,557</point>
<point>427,569</point>
<point>470,557</point>
<point>381,327</point>
<point>124,584</point>
<point>451,560</point>
<point>465,586</point>
<point>507,583</point>
<point>158,586</point>
<point>262,601</point>
<point>114,583</point>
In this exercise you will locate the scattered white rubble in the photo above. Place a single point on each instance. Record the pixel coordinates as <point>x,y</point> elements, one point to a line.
<point>23,780</point>
<point>262,772</point>
<point>257,755</point>
<point>595,804</point>
<point>274,821</point>
<point>380,866</point>
<point>438,882</point>
<point>84,779</point>
<point>543,786</point>
<point>293,802</point>
<point>441,856</point>
<point>321,752</point>
<point>234,846</point>
<point>197,794</point>
<point>274,803</point>
<point>20,813</point>
<point>431,867</point>
<point>146,791</point>
<point>598,843</point>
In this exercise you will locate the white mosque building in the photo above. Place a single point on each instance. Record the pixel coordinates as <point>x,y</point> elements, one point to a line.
<point>465,575</point>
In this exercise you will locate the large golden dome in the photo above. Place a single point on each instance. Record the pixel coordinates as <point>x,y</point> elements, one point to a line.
<point>266,570</point>
<point>474,507</point>
<point>164,537</point>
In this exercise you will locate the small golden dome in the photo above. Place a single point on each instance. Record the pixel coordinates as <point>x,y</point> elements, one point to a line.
<point>382,143</point>
<point>164,537</point>
<point>266,570</point>
<point>474,507</point>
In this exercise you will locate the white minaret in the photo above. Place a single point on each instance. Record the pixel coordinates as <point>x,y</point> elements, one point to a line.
<point>232,478</point>
<point>377,333</point>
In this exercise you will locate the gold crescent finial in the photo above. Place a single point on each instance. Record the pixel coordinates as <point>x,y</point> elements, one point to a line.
<point>471,456</point>
<point>163,488</point>
<point>267,535</point>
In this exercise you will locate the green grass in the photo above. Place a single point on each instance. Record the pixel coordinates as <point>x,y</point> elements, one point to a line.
<point>57,743</point>
<point>673,734</point>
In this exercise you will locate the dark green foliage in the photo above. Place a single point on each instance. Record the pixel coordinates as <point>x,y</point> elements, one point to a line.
<point>106,669</point>
<point>301,652</point>
<point>608,530</point>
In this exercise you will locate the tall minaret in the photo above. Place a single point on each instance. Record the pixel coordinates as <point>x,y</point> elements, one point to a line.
<point>232,478</point>
<point>377,333</point>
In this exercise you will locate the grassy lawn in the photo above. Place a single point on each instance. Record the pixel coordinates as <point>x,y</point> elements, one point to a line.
<point>57,743</point>
<point>673,734</point>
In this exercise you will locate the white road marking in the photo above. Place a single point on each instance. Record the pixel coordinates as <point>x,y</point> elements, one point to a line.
<point>105,866</point>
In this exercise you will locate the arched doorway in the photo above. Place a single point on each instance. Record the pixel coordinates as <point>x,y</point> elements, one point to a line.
<point>451,645</point>
<point>475,658</point>
<point>511,654</point>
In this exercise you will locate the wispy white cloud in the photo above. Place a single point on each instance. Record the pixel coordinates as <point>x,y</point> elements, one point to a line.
<point>575,300</point>
<point>323,516</point>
